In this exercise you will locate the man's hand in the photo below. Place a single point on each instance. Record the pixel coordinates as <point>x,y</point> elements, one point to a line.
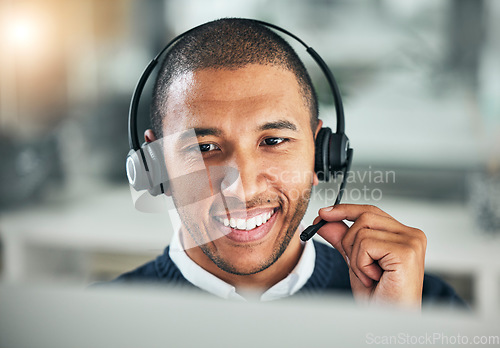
<point>385,257</point>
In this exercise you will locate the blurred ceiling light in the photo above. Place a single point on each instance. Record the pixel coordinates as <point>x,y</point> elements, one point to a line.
<point>22,31</point>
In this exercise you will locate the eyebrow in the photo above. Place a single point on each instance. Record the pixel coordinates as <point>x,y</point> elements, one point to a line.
<point>200,132</point>
<point>281,124</point>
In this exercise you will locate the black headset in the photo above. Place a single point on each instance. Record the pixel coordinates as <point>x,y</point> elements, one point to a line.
<point>144,165</point>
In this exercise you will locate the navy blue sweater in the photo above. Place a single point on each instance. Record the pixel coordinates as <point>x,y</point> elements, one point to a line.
<point>330,274</point>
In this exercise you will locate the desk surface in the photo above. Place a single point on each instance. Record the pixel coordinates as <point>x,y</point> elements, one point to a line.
<point>139,317</point>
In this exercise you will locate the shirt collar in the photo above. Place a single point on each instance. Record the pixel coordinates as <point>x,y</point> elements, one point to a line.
<point>205,280</point>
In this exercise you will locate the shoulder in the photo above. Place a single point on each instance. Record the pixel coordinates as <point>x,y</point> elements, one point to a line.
<point>325,254</point>
<point>330,271</point>
<point>437,291</point>
<point>145,272</point>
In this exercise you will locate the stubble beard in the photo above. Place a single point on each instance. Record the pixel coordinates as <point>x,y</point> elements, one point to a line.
<point>193,229</point>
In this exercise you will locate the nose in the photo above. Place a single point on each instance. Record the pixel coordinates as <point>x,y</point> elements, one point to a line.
<point>250,181</point>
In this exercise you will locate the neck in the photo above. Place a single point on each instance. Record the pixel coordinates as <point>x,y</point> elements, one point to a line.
<point>260,281</point>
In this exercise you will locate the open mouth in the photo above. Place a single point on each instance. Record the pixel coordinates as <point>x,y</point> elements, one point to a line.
<point>247,224</point>
<point>247,228</point>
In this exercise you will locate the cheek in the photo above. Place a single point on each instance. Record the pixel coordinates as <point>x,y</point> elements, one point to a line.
<point>190,184</point>
<point>180,165</point>
<point>293,171</point>
<point>293,181</point>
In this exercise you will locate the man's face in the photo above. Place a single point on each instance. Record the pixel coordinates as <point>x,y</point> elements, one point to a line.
<point>255,121</point>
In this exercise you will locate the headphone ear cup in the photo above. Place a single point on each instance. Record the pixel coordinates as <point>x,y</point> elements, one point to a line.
<point>136,171</point>
<point>156,165</point>
<point>339,144</point>
<point>146,169</point>
<point>321,156</point>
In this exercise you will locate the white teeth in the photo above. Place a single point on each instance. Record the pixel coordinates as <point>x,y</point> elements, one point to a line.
<point>241,224</point>
<point>250,224</point>
<point>258,220</point>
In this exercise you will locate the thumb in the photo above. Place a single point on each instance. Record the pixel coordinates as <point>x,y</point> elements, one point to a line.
<point>333,233</point>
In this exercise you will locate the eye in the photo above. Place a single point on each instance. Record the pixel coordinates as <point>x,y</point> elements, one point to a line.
<point>273,141</point>
<point>208,147</point>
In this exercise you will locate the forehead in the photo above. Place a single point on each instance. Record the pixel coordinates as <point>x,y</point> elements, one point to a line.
<point>221,96</point>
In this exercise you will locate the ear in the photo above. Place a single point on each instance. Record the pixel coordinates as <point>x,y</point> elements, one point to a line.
<point>315,176</point>
<point>320,124</point>
<point>149,136</point>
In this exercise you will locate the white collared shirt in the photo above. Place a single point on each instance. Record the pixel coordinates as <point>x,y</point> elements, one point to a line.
<point>199,277</point>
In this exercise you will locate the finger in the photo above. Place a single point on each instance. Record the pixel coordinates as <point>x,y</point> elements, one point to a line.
<point>349,212</point>
<point>371,221</point>
<point>333,232</point>
<point>372,257</point>
<point>376,252</point>
<point>366,280</point>
<point>316,220</point>
<point>365,240</point>
<point>364,264</point>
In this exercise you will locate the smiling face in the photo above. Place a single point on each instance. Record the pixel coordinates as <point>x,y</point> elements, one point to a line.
<point>255,145</point>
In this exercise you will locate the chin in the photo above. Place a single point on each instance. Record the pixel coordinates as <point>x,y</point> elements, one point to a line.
<point>249,259</point>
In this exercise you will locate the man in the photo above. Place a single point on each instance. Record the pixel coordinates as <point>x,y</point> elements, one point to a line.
<point>249,103</point>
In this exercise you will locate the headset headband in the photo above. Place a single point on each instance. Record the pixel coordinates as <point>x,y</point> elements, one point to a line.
<point>133,138</point>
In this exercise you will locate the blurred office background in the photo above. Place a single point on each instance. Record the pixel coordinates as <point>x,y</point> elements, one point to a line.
<point>421,87</point>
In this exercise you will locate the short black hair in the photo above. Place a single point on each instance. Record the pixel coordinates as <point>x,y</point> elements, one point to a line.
<point>228,43</point>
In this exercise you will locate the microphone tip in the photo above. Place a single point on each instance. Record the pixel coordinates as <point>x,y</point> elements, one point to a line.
<point>309,232</point>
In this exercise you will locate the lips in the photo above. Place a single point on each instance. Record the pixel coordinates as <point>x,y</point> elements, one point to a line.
<point>247,227</point>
